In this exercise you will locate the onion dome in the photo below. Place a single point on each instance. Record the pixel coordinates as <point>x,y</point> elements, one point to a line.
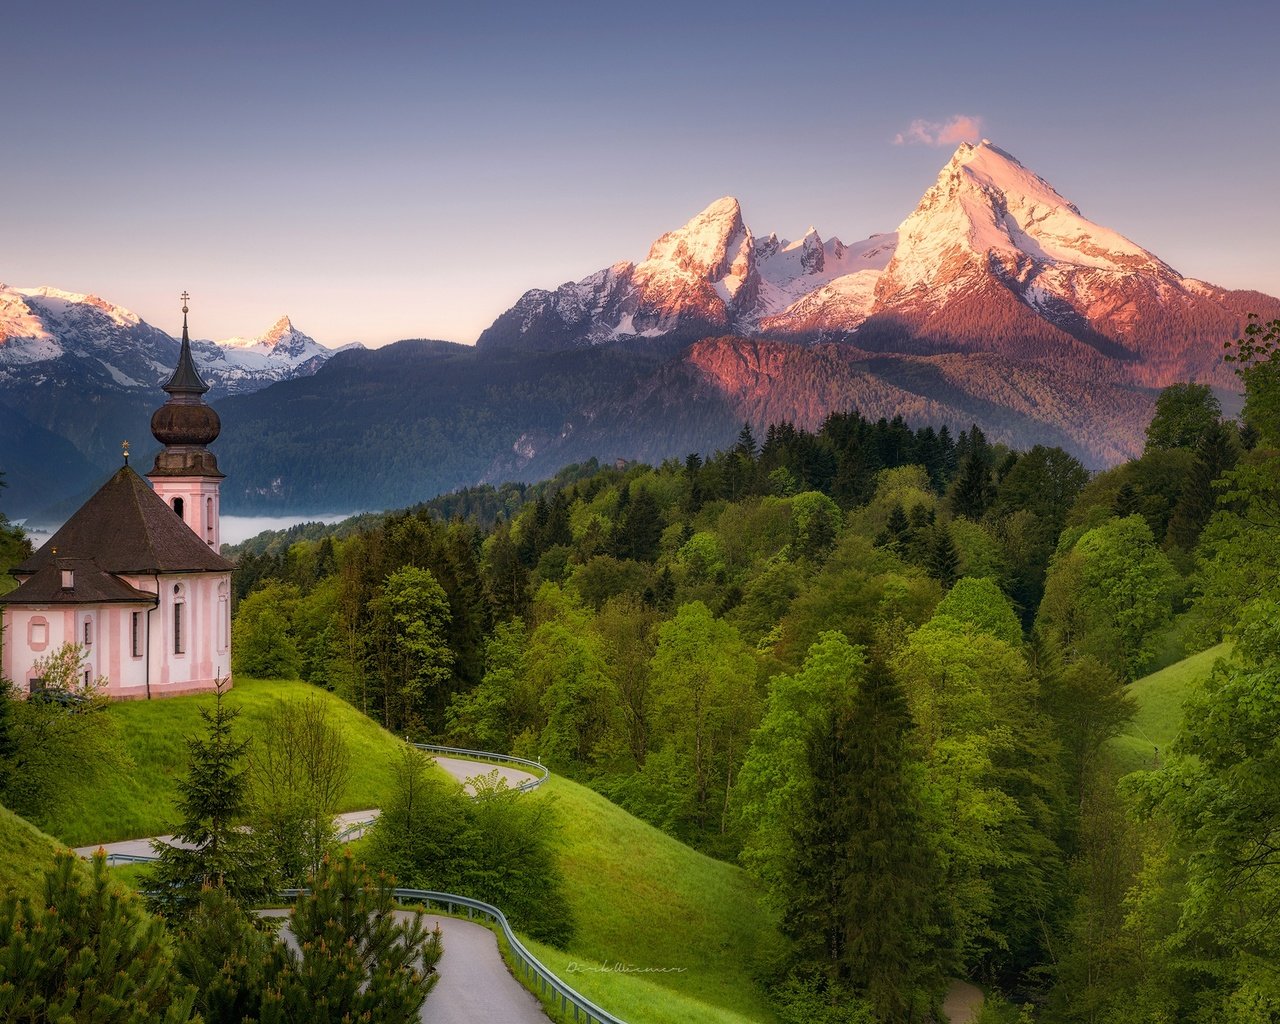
<point>185,424</point>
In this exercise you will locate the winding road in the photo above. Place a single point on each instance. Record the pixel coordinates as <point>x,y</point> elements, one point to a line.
<point>475,984</point>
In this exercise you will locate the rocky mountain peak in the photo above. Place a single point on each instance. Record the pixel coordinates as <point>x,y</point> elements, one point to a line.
<point>709,244</point>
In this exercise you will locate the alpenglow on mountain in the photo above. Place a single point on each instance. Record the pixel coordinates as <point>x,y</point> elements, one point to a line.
<point>995,302</point>
<point>993,259</point>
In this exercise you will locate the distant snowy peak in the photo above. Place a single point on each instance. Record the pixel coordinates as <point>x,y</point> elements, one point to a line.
<point>77,339</point>
<point>281,341</point>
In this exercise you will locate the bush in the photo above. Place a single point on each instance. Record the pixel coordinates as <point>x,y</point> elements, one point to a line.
<point>496,847</point>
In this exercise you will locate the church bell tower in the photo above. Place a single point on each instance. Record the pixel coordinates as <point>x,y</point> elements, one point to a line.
<point>186,473</point>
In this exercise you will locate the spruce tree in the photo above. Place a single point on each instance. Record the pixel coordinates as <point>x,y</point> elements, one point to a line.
<point>358,962</point>
<point>942,561</point>
<point>638,534</point>
<point>814,879</point>
<point>1127,502</point>
<point>897,530</point>
<point>887,886</point>
<point>973,491</point>
<point>212,848</point>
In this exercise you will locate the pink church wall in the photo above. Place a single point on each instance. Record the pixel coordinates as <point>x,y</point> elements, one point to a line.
<point>207,638</point>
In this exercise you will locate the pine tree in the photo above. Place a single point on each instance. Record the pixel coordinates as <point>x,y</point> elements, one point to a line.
<point>86,953</point>
<point>358,962</point>
<point>215,850</point>
<point>746,446</point>
<point>887,887</point>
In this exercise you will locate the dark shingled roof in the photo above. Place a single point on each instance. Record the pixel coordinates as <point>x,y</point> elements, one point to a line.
<point>90,585</point>
<point>127,528</point>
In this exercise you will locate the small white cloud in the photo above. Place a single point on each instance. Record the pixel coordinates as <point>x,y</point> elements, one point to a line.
<point>960,128</point>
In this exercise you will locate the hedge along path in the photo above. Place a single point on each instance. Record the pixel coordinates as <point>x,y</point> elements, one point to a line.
<point>475,983</point>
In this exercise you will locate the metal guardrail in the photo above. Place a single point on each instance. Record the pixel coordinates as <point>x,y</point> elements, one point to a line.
<point>535,972</point>
<point>489,756</point>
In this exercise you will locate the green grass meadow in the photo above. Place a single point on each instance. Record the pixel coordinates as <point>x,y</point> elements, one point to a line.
<point>140,799</point>
<point>1160,697</point>
<point>25,854</point>
<point>643,900</point>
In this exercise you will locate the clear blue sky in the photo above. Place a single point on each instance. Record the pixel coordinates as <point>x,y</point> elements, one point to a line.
<point>387,170</point>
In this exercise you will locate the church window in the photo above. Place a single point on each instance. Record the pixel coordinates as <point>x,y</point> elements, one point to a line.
<point>88,632</point>
<point>136,633</point>
<point>177,507</point>
<point>38,634</point>
<point>179,626</point>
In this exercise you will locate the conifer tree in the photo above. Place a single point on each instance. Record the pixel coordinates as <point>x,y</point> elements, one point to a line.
<point>639,530</point>
<point>1127,502</point>
<point>213,850</point>
<point>358,962</point>
<point>887,886</point>
<point>973,491</point>
<point>943,560</point>
<point>814,879</point>
<point>86,953</point>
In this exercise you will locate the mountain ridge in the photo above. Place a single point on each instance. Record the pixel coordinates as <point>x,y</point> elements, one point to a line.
<point>995,302</point>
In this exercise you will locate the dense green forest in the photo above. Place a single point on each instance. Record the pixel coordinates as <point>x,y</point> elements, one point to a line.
<point>879,667</point>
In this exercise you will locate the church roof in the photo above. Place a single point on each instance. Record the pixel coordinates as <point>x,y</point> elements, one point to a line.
<point>90,585</point>
<point>127,528</point>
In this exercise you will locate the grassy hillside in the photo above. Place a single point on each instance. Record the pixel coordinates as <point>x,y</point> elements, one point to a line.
<point>25,854</point>
<point>641,899</point>
<point>141,800</point>
<point>1160,698</point>
<point>645,901</point>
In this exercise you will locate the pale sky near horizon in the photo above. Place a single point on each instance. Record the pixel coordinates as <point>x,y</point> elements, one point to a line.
<point>389,170</point>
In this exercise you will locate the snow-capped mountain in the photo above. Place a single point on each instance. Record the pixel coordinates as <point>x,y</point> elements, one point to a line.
<point>710,276</point>
<point>993,258</point>
<point>48,335</point>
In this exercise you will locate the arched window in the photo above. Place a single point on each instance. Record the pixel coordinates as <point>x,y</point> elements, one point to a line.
<point>208,519</point>
<point>177,507</point>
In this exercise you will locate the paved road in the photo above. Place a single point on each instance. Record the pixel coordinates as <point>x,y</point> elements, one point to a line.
<point>474,983</point>
<point>462,770</point>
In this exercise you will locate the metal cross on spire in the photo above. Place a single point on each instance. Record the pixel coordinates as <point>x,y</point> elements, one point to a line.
<point>184,296</point>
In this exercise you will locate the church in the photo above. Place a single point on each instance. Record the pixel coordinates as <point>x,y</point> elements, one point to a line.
<point>136,576</point>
